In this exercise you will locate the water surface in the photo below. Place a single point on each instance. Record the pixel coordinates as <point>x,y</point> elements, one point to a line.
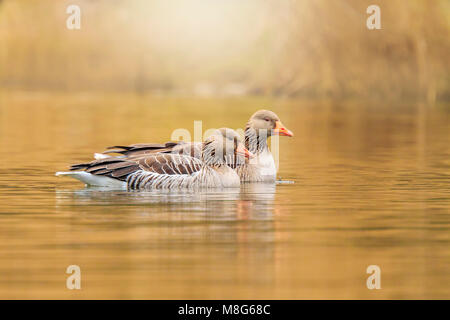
<point>372,186</point>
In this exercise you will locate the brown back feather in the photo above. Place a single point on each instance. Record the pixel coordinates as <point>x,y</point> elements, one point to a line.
<point>143,148</point>
<point>121,168</point>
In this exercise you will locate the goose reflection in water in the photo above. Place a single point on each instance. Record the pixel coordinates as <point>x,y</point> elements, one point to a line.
<point>251,202</point>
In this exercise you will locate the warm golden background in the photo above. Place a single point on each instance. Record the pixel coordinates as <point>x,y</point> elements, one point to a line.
<point>311,48</point>
<point>370,159</point>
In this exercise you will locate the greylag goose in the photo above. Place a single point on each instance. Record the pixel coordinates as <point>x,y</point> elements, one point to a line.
<point>169,170</point>
<point>261,168</point>
<point>261,125</point>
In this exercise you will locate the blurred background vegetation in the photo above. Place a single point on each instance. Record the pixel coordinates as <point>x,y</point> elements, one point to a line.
<point>303,48</point>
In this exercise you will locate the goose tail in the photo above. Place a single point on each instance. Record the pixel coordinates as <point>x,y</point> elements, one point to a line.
<point>93,180</point>
<point>100,156</point>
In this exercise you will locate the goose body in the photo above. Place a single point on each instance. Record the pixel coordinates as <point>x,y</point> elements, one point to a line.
<point>261,168</point>
<point>180,171</point>
<point>166,170</point>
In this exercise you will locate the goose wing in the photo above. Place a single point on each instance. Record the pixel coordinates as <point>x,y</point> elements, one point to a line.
<point>187,148</point>
<point>160,163</point>
<point>113,167</point>
<point>169,163</point>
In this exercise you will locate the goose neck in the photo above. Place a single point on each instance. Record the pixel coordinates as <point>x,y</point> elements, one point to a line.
<point>256,140</point>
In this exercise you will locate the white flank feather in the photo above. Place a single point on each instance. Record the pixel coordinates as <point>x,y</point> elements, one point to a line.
<point>99,156</point>
<point>93,180</point>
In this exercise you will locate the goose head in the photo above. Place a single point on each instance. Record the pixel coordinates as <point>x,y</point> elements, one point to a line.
<point>268,122</point>
<point>224,147</point>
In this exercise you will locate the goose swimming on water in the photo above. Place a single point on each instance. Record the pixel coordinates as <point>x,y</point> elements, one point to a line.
<point>169,170</point>
<point>261,125</point>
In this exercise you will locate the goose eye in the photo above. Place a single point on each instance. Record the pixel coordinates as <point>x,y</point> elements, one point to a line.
<point>267,119</point>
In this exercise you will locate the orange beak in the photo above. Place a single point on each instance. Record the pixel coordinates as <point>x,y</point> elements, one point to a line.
<point>241,150</point>
<point>281,130</point>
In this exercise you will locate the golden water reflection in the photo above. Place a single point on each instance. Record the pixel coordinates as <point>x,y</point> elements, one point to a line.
<point>371,187</point>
